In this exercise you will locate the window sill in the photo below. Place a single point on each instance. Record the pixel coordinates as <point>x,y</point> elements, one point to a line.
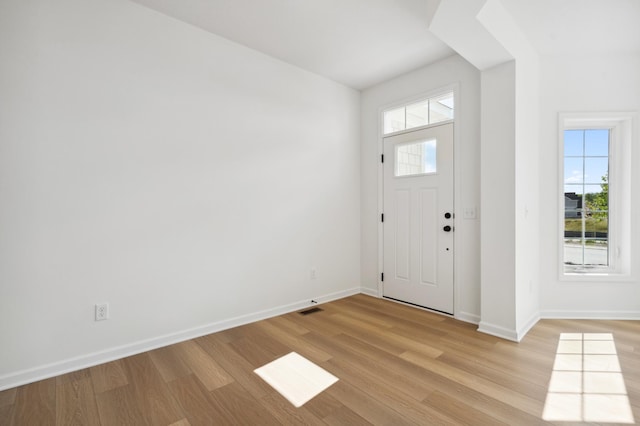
<point>596,277</point>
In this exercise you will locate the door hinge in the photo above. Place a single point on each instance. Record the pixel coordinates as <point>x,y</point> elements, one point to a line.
<point>382,276</point>
<point>382,158</point>
<point>382,217</point>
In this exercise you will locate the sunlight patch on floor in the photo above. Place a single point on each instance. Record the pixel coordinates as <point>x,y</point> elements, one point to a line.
<point>587,384</point>
<point>296,378</point>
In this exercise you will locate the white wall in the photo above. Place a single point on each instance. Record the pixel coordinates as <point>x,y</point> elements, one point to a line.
<point>527,203</point>
<point>510,237</point>
<point>510,166</point>
<point>498,183</point>
<point>188,181</point>
<point>607,83</point>
<point>467,174</point>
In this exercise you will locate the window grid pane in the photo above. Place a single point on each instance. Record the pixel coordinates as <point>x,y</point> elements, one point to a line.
<point>394,120</point>
<point>586,199</point>
<point>417,114</point>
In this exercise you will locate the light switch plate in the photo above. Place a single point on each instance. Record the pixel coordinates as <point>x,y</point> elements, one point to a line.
<point>469,213</point>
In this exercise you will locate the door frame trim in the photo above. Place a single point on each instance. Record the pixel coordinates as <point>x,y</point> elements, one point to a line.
<point>455,87</point>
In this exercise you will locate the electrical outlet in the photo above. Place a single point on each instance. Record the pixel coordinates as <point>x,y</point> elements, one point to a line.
<point>102,311</point>
<point>313,273</point>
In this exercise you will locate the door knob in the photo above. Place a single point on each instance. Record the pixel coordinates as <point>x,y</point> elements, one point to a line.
<point>447,228</point>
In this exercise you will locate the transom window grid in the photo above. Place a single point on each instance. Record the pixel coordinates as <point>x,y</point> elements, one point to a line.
<point>432,110</point>
<point>586,196</point>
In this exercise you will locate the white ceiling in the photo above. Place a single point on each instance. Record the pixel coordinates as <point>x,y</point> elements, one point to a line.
<point>363,42</point>
<point>562,27</point>
<point>355,42</point>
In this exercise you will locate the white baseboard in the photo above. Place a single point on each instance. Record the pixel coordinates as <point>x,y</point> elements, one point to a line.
<point>320,299</point>
<point>498,331</point>
<point>468,317</point>
<point>522,331</point>
<point>369,291</point>
<point>31,375</point>
<point>594,315</point>
<point>509,334</point>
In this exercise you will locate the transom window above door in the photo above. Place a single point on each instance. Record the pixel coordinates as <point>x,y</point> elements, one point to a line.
<point>419,113</point>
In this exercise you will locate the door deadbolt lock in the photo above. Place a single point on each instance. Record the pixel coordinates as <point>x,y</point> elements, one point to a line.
<point>447,215</point>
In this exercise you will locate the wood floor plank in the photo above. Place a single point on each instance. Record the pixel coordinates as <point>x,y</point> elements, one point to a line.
<point>206,369</point>
<point>502,354</point>
<point>8,397</point>
<point>236,365</point>
<point>286,414</point>
<point>361,326</point>
<point>385,338</point>
<point>268,342</point>
<point>6,414</point>
<point>229,335</point>
<point>526,404</point>
<point>169,363</point>
<point>294,342</point>
<point>119,407</point>
<point>410,408</point>
<point>390,341</point>
<point>379,322</point>
<point>460,412</point>
<point>75,400</point>
<point>405,377</point>
<point>289,326</point>
<point>462,334</point>
<point>481,402</point>
<point>323,405</point>
<point>108,376</point>
<point>35,404</point>
<point>313,323</point>
<point>344,416</point>
<point>400,314</point>
<point>535,387</point>
<point>510,354</point>
<point>150,391</point>
<point>194,401</point>
<point>240,408</point>
<point>370,409</point>
<point>397,344</point>
<point>258,348</point>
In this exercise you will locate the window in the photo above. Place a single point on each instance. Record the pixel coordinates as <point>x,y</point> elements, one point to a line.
<point>595,194</point>
<point>586,198</point>
<point>416,158</point>
<point>420,113</point>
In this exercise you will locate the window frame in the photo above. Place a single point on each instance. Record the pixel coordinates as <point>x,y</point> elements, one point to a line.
<point>403,105</point>
<point>620,126</point>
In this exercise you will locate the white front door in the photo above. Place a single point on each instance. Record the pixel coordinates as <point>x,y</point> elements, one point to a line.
<point>418,217</point>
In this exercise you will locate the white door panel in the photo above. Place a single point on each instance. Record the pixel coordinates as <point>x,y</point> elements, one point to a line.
<point>428,248</point>
<point>418,195</point>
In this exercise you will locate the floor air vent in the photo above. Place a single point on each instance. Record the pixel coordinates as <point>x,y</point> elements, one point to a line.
<point>310,311</point>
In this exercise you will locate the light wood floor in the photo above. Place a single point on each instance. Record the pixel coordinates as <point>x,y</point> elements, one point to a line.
<point>397,366</point>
